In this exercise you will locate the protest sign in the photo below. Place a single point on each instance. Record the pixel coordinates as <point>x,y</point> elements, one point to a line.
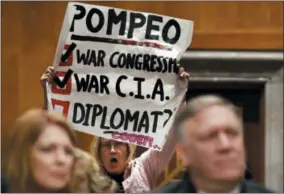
<point>116,72</point>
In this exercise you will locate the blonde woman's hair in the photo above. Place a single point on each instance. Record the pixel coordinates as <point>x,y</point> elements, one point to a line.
<point>95,151</point>
<point>87,172</point>
<point>21,138</point>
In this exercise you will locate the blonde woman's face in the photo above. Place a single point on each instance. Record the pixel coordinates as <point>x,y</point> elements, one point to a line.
<point>52,158</point>
<point>113,155</point>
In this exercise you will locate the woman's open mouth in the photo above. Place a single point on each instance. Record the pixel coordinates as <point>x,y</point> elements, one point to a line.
<point>113,160</point>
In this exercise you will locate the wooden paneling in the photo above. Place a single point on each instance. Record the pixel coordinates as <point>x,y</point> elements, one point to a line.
<point>30,33</point>
<point>243,25</point>
<point>10,59</point>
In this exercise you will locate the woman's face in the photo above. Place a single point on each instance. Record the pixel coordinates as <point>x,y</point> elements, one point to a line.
<point>52,158</point>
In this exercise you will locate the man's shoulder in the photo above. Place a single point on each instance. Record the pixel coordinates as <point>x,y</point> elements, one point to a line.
<point>252,187</point>
<point>175,187</point>
<point>179,187</point>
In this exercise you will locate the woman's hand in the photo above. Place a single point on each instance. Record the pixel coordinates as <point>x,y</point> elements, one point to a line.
<point>183,74</point>
<point>47,76</point>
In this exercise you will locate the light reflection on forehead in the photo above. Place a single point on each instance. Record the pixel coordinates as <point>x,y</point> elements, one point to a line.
<point>214,118</point>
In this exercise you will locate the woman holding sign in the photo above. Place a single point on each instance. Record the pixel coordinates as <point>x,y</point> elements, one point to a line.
<point>116,158</point>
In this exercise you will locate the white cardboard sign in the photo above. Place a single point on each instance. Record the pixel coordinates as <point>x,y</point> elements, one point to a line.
<point>122,67</point>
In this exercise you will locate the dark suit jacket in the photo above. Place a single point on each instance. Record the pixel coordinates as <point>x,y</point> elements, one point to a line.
<point>4,183</point>
<point>248,173</point>
<point>186,186</point>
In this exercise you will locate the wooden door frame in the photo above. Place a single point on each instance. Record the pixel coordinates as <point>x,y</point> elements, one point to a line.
<point>263,67</point>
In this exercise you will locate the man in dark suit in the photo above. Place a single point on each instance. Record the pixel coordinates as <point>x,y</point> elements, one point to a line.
<point>211,144</point>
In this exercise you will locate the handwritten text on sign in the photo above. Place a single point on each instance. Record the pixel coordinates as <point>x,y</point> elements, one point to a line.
<point>116,72</point>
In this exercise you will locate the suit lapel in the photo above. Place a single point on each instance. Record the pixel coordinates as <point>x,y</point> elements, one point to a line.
<point>187,185</point>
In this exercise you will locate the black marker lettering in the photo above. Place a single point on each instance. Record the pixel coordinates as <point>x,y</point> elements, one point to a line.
<point>103,123</point>
<point>78,107</point>
<point>83,83</point>
<point>113,18</point>
<point>91,57</point>
<point>135,121</point>
<point>97,111</point>
<point>101,57</point>
<point>104,81</point>
<point>82,57</point>
<point>158,90</point>
<point>146,62</point>
<point>144,122</point>
<point>114,118</point>
<point>153,63</point>
<point>118,18</point>
<point>172,65</point>
<point>89,18</point>
<point>130,60</point>
<point>134,23</point>
<point>117,87</point>
<point>176,67</point>
<point>139,87</point>
<point>94,84</point>
<point>165,31</point>
<point>159,67</point>
<point>87,115</point>
<point>78,16</point>
<point>121,60</point>
<point>170,113</point>
<point>111,63</point>
<point>151,27</point>
<point>99,84</point>
<point>155,120</point>
<point>131,118</point>
<point>165,69</point>
<point>138,63</point>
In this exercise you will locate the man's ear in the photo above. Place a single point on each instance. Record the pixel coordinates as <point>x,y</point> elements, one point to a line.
<point>182,155</point>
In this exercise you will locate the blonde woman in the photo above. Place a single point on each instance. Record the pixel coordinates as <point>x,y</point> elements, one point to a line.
<point>87,177</point>
<point>40,157</point>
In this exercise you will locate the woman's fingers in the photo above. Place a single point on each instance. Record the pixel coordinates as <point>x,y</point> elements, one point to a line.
<point>183,74</point>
